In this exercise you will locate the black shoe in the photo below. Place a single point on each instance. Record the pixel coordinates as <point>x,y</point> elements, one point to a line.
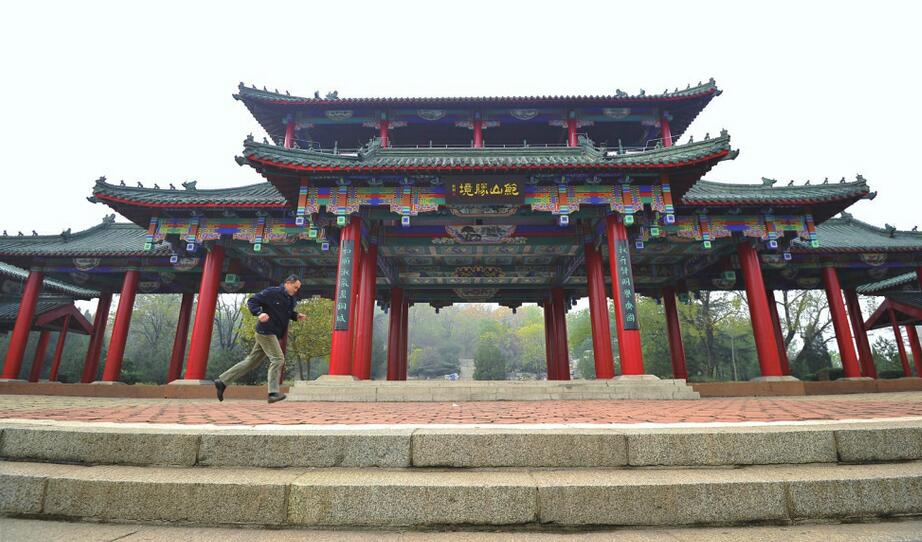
<point>276,397</point>
<point>220,387</point>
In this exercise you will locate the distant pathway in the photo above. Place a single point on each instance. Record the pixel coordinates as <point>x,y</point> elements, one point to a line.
<point>246,412</point>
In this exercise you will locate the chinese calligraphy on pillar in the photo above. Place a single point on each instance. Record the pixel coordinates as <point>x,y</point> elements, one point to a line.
<point>344,285</point>
<point>625,280</point>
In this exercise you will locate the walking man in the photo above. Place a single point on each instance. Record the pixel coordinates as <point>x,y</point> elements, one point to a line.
<point>274,307</point>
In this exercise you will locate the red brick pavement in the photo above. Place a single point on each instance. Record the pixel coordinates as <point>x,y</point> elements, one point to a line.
<point>510,412</point>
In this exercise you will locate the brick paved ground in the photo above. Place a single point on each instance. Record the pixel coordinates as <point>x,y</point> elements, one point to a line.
<point>829,407</point>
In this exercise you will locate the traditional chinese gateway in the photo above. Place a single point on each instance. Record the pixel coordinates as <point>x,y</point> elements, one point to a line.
<point>509,200</point>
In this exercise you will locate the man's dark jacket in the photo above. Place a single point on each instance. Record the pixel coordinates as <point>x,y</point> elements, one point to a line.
<point>280,307</point>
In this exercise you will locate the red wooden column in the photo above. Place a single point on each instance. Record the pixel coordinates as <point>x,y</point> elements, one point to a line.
<point>174,371</point>
<point>478,132</point>
<point>289,134</point>
<point>762,329</point>
<point>203,325</point>
<point>113,367</point>
<point>674,333</point>
<point>598,314</point>
<point>38,361</point>
<point>23,325</point>
<point>915,347</point>
<point>571,133</point>
<point>364,325</point>
<point>899,344</point>
<point>628,339</point>
<point>840,323</point>
<point>667,131</point>
<point>861,335</point>
<point>383,126</point>
<point>561,349</point>
<point>404,338</point>
<point>58,350</point>
<point>779,336</point>
<point>100,321</point>
<point>393,334</point>
<point>550,346</point>
<point>341,343</point>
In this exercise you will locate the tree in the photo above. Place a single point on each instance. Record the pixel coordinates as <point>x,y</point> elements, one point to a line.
<point>489,363</point>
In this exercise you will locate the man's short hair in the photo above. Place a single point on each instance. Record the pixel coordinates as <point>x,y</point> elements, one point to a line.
<point>292,278</point>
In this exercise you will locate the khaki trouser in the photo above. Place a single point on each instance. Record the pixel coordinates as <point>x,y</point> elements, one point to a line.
<point>266,346</point>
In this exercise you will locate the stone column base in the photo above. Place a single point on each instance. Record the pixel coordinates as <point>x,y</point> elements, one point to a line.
<point>191,382</point>
<point>108,383</point>
<point>853,378</point>
<point>337,378</point>
<point>787,378</point>
<point>635,378</point>
<point>12,380</point>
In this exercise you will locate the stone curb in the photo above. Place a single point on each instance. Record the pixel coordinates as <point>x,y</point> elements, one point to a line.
<point>430,498</point>
<point>463,447</point>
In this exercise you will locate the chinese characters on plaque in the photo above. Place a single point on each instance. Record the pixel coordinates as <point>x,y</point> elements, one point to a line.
<point>344,285</point>
<point>484,190</point>
<point>626,283</point>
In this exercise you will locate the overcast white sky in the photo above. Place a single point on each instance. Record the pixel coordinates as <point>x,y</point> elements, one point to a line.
<point>143,91</point>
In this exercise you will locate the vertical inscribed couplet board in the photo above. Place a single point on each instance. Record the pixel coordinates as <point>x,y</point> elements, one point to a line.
<point>344,285</point>
<point>626,285</point>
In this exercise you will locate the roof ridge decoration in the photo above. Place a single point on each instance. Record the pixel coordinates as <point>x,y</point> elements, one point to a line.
<point>245,92</point>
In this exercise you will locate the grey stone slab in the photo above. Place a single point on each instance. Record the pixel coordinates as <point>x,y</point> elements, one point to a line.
<point>389,448</point>
<point>184,495</point>
<point>412,498</point>
<point>844,491</point>
<point>660,497</point>
<point>518,448</point>
<point>21,488</point>
<point>100,445</point>
<point>730,447</point>
<point>879,444</point>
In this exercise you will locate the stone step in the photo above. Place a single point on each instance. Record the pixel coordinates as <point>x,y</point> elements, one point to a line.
<point>462,446</point>
<point>429,498</point>
<point>622,387</point>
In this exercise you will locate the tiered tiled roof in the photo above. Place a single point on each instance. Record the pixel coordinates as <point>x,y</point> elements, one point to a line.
<point>270,108</point>
<point>709,88</point>
<point>584,157</point>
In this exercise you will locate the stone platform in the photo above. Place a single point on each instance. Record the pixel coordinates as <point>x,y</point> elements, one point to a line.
<point>535,465</point>
<point>648,387</point>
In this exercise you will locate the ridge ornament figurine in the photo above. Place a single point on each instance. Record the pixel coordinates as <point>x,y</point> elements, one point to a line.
<point>273,307</point>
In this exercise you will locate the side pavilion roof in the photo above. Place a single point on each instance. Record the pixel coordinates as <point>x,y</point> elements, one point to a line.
<point>106,239</point>
<point>19,275</point>
<point>892,283</point>
<point>848,234</point>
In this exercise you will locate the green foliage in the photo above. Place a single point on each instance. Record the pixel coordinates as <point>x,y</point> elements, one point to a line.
<point>489,362</point>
